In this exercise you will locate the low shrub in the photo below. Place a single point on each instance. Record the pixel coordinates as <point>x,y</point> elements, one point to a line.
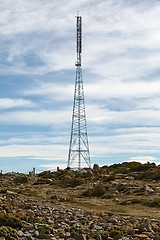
<point>153,203</point>
<point>75,182</point>
<point>137,201</point>
<point>116,234</point>
<point>21,179</point>
<point>8,232</point>
<point>109,178</point>
<point>146,202</point>
<point>98,234</point>
<point>7,220</point>
<point>151,174</point>
<point>44,229</point>
<point>97,191</point>
<point>46,174</point>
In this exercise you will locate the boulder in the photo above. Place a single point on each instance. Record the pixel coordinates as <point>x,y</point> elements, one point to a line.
<point>96,167</point>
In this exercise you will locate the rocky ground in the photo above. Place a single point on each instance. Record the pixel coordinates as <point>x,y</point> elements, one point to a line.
<point>103,203</point>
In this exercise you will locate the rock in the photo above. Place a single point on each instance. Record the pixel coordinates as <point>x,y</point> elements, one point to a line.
<point>96,167</point>
<point>117,200</point>
<point>36,234</point>
<point>89,174</point>
<point>98,237</point>
<point>130,231</point>
<point>148,226</point>
<point>78,236</point>
<point>49,218</point>
<point>43,181</point>
<point>148,189</point>
<point>141,227</point>
<point>8,192</point>
<point>141,236</point>
<point>20,233</point>
<point>113,221</point>
<point>21,179</point>
<point>104,172</point>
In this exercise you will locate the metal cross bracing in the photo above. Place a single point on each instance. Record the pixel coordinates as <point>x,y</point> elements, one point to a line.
<point>79,147</point>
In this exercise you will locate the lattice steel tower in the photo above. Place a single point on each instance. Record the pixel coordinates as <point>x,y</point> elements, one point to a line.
<point>79,147</point>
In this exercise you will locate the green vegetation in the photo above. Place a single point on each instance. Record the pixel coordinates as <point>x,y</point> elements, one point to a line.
<point>150,174</point>
<point>11,221</point>
<point>97,191</point>
<point>129,167</point>
<point>8,232</point>
<point>21,179</point>
<point>74,182</point>
<point>150,202</point>
<point>108,187</point>
<point>109,178</point>
<point>45,229</point>
<point>31,201</point>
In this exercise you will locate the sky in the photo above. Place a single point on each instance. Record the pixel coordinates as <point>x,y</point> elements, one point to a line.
<point>121,74</point>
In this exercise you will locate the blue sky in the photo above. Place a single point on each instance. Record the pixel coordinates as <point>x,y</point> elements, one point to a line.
<point>121,73</point>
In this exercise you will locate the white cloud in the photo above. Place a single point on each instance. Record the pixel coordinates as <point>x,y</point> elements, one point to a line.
<point>26,16</point>
<point>56,91</point>
<point>107,89</point>
<point>121,55</point>
<point>102,90</point>
<point>7,103</point>
<point>151,103</point>
<point>53,166</point>
<point>96,114</point>
<point>114,33</point>
<point>34,138</point>
<point>126,45</point>
<point>129,142</point>
<point>100,115</point>
<point>45,152</point>
<point>37,117</point>
<point>143,159</point>
<point>125,141</point>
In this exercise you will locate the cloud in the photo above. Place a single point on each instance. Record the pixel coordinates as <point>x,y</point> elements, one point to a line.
<point>96,114</point>
<point>143,159</point>
<point>149,103</point>
<point>52,166</point>
<point>23,17</point>
<point>56,91</point>
<point>48,152</point>
<point>34,138</point>
<point>23,32</point>
<point>7,103</point>
<point>120,60</point>
<point>126,45</point>
<point>136,141</point>
<point>51,37</point>
<point>125,142</point>
<point>101,90</point>
<point>133,117</point>
<point>104,89</point>
<point>36,117</point>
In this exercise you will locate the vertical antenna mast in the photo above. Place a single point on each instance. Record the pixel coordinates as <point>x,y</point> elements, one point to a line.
<point>79,147</point>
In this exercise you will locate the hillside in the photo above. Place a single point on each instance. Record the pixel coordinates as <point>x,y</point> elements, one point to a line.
<point>121,201</point>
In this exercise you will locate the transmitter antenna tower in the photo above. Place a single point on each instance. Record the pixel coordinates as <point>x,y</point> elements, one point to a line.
<point>79,147</point>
